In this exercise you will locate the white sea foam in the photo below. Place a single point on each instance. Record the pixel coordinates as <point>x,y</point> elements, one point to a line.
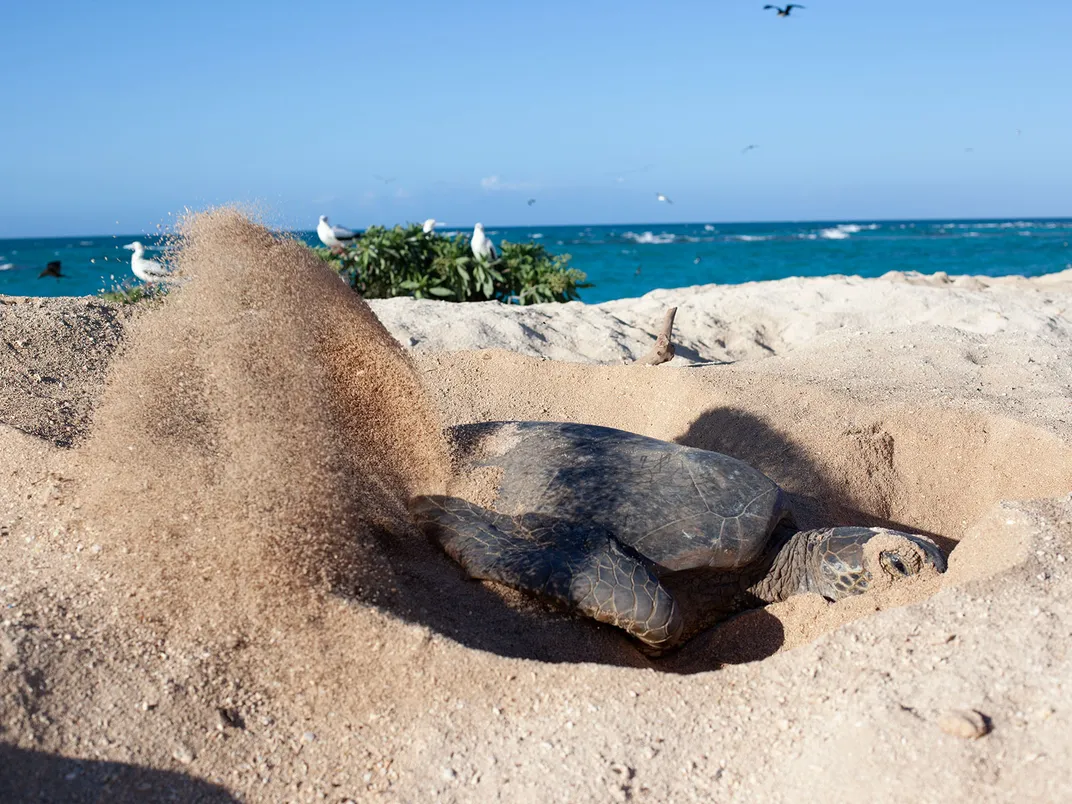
<point>647,238</point>
<point>834,234</point>
<point>7,266</point>
<point>708,228</point>
<point>536,235</point>
<point>843,231</point>
<point>752,238</point>
<point>85,242</point>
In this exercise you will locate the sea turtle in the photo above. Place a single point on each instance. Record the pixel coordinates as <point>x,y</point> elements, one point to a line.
<point>656,538</point>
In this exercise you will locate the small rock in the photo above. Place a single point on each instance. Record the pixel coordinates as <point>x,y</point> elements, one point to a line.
<point>308,737</point>
<point>449,774</point>
<point>183,754</point>
<point>228,719</point>
<point>965,723</point>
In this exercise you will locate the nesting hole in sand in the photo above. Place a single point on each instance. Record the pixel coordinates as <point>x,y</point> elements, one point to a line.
<point>937,472</point>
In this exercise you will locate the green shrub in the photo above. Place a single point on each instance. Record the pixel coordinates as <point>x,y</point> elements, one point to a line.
<point>408,262</point>
<point>131,291</point>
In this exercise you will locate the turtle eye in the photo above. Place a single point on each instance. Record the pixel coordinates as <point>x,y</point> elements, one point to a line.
<point>892,563</point>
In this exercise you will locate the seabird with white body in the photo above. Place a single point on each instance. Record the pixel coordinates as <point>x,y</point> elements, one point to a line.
<point>334,237</point>
<point>483,248</point>
<point>146,270</point>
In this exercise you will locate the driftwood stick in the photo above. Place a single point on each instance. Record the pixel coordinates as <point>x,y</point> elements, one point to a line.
<point>663,350</point>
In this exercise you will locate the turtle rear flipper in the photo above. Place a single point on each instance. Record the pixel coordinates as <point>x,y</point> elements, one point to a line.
<point>579,564</point>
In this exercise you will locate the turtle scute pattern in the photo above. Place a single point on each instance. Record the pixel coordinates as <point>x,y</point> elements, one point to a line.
<point>679,506</point>
<point>582,565</point>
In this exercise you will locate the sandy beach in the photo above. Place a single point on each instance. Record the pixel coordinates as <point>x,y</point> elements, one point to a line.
<point>213,589</point>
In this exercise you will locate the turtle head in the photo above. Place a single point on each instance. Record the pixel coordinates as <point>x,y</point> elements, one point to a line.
<point>850,561</point>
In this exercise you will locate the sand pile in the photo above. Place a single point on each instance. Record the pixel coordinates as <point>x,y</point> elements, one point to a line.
<point>218,590</point>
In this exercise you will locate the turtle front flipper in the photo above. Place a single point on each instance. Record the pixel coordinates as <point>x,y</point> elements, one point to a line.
<point>579,564</point>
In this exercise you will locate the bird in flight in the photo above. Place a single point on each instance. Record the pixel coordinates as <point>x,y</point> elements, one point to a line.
<point>748,148</point>
<point>783,12</point>
<point>383,179</point>
<point>531,201</point>
<point>52,269</point>
<point>661,197</point>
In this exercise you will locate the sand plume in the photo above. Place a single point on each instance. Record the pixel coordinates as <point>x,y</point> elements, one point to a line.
<point>261,432</point>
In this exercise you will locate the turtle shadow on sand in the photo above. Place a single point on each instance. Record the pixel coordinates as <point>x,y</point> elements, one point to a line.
<point>815,496</point>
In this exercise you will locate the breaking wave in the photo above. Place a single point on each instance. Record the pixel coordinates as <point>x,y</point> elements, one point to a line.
<point>647,238</point>
<point>843,231</point>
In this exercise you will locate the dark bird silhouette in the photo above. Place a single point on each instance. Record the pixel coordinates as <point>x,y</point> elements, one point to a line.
<point>52,269</point>
<point>531,201</point>
<point>783,12</point>
<point>748,148</point>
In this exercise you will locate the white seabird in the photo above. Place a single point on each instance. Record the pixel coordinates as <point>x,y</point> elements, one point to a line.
<point>430,225</point>
<point>661,197</point>
<point>145,270</point>
<point>483,249</point>
<point>333,236</point>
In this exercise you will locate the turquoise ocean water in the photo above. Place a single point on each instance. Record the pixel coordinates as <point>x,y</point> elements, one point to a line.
<point>629,260</point>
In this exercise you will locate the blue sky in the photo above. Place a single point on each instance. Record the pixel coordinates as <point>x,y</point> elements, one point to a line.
<point>115,114</point>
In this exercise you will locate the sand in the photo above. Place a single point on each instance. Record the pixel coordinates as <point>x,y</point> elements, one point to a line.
<point>212,589</point>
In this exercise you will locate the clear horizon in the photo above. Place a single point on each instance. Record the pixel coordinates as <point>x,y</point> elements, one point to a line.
<point>391,114</point>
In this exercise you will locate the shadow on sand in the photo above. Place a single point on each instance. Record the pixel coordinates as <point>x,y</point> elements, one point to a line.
<point>34,776</point>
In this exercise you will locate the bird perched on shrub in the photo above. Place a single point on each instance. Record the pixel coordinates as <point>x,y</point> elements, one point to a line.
<point>334,237</point>
<point>483,249</point>
<point>145,270</point>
